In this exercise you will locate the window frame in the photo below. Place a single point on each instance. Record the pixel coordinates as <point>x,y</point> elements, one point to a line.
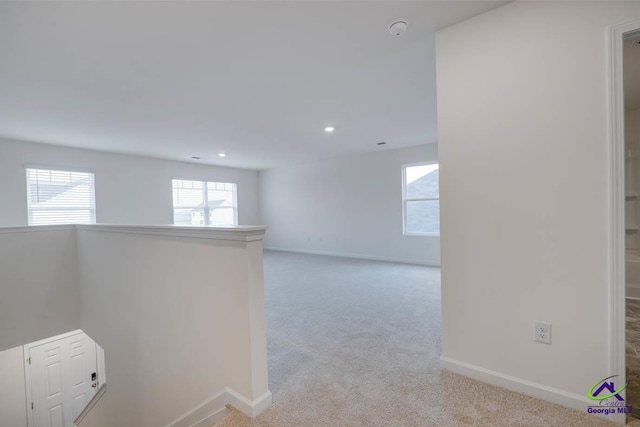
<point>405,200</point>
<point>205,199</point>
<point>70,169</point>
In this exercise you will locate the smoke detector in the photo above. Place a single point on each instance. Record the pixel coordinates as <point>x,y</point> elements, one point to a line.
<point>398,28</point>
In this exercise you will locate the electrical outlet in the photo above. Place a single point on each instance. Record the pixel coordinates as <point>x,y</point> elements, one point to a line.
<point>542,332</point>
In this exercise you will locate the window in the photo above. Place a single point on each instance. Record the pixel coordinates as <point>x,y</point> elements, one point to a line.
<point>421,199</point>
<point>60,197</point>
<point>204,203</point>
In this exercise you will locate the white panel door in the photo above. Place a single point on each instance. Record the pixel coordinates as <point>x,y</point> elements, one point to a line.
<point>63,380</point>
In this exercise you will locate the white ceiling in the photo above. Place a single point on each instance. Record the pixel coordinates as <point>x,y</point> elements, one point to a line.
<point>259,80</point>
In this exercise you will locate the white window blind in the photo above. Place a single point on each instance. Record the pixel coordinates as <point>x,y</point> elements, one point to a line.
<point>204,203</point>
<point>60,197</point>
<point>421,199</point>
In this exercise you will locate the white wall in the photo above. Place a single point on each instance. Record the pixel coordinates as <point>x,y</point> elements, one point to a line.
<point>13,405</point>
<point>39,298</point>
<point>632,128</point>
<point>632,177</point>
<point>522,122</point>
<point>40,293</point>
<point>348,206</point>
<point>179,319</point>
<point>129,189</point>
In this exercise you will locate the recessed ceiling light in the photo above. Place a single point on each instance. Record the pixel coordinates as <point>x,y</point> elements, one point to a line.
<point>329,129</point>
<point>222,154</point>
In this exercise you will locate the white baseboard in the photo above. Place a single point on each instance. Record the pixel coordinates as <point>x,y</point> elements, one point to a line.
<point>250,408</point>
<point>214,418</point>
<point>633,290</point>
<point>358,256</point>
<point>213,409</point>
<point>540,391</point>
<point>520,385</point>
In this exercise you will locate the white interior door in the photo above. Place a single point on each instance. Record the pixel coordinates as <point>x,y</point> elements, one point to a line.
<point>63,376</point>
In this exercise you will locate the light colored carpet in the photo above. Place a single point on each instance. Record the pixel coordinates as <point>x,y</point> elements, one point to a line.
<point>633,355</point>
<point>357,343</point>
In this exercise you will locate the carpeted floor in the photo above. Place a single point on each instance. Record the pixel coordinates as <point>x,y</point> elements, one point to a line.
<point>357,343</point>
<point>633,355</point>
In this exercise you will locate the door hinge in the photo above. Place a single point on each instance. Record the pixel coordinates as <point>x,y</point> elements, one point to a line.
<point>29,360</point>
<point>31,405</point>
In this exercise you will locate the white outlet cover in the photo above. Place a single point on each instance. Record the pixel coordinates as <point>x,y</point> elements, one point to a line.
<point>542,332</point>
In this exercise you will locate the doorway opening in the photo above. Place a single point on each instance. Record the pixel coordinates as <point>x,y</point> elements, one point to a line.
<point>624,155</point>
<point>631,91</point>
<point>64,376</point>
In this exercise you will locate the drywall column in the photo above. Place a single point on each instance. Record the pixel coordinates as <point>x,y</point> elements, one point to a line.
<point>522,123</point>
<point>179,312</point>
<point>257,323</point>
